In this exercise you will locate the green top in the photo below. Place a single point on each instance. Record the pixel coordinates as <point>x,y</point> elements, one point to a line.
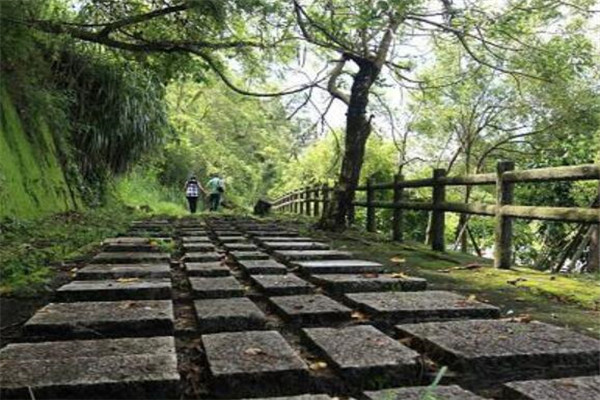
<point>214,184</point>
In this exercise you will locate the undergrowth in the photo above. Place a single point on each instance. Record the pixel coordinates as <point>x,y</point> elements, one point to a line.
<point>32,251</point>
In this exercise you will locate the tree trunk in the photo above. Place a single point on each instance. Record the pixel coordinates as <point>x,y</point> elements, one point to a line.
<point>358,129</point>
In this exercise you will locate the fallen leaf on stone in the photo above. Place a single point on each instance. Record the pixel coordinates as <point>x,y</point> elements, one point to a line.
<point>127,280</point>
<point>359,316</point>
<point>74,269</point>
<point>525,318</point>
<point>472,298</point>
<point>254,351</point>
<point>399,275</point>
<point>318,365</point>
<point>398,260</point>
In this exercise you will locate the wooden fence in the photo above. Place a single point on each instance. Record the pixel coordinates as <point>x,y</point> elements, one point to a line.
<point>312,200</point>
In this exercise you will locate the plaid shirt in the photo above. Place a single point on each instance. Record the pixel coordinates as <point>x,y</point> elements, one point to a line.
<point>192,189</point>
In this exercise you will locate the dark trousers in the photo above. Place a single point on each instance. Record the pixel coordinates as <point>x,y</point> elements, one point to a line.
<point>213,201</point>
<point>193,202</point>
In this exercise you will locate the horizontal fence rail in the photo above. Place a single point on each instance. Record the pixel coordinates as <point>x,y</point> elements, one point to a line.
<point>313,200</point>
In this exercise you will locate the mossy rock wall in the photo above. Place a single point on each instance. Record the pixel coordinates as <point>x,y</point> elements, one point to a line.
<point>32,182</point>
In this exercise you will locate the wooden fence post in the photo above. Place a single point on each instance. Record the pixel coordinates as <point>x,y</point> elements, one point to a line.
<point>316,201</point>
<point>302,199</point>
<point>371,223</point>
<point>296,203</point>
<point>325,199</point>
<point>438,218</point>
<point>307,202</point>
<point>398,212</point>
<point>503,228</point>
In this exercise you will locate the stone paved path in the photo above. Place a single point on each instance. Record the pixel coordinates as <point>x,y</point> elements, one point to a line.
<point>247,309</point>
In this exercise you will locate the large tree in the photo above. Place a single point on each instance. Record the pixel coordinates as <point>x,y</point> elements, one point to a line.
<point>368,39</point>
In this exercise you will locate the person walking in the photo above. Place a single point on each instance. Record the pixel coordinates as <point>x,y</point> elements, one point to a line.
<point>216,187</point>
<point>192,192</point>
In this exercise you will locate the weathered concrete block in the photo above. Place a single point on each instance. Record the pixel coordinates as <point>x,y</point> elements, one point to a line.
<point>226,232</point>
<point>278,232</point>
<point>216,288</point>
<point>431,305</point>
<point>232,239</point>
<point>505,350</point>
<point>249,363</point>
<point>451,392</point>
<point>262,267</point>
<point>116,271</point>
<point>195,239</point>
<point>293,255</point>
<point>198,247</point>
<point>338,267</point>
<point>365,355</point>
<point>125,257</point>
<point>240,246</point>
<point>133,244</point>
<point>123,289</point>
<point>149,234</point>
<point>282,285</point>
<point>227,315</point>
<point>310,309</point>
<point>83,369</point>
<point>370,282</point>
<point>207,269</point>
<point>249,255</point>
<point>262,239</point>
<point>295,245</point>
<point>209,256</point>
<point>102,318</point>
<point>578,388</point>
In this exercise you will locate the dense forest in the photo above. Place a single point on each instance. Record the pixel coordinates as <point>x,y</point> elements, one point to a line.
<point>119,102</point>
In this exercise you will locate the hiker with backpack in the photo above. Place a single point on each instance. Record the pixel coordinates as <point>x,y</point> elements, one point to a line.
<point>216,187</point>
<point>192,192</point>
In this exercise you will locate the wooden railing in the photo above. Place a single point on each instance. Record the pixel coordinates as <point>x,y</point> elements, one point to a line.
<point>310,200</point>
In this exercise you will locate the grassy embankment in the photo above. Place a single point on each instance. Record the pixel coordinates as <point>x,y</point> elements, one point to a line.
<point>568,300</point>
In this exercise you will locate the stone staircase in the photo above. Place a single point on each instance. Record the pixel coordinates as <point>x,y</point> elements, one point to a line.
<point>248,309</point>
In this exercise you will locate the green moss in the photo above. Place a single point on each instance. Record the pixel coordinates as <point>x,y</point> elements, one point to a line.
<point>33,251</point>
<point>32,182</point>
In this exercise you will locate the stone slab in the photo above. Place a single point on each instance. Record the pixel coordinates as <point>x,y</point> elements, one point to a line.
<point>503,349</point>
<point>293,255</point>
<point>200,256</point>
<point>232,239</point>
<point>271,233</point>
<point>116,271</point>
<point>262,239</point>
<point>365,355</point>
<point>93,319</point>
<point>368,282</point>
<point>248,363</point>
<point>133,244</point>
<point>263,267</point>
<point>578,388</point>
<point>226,232</point>
<point>310,309</point>
<point>240,246</point>
<point>431,305</point>
<point>227,315</point>
<point>347,266</point>
<point>195,239</point>
<point>115,289</point>
<point>451,392</point>
<point>249,255</point>
<point>83,369</point>
<point>149,234</point>
<point>198,247</point>
<point>282,285</point>
<point>207,269</point>
<point>126,257</point>
<point>295,246</point>
<point>216,288</point>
